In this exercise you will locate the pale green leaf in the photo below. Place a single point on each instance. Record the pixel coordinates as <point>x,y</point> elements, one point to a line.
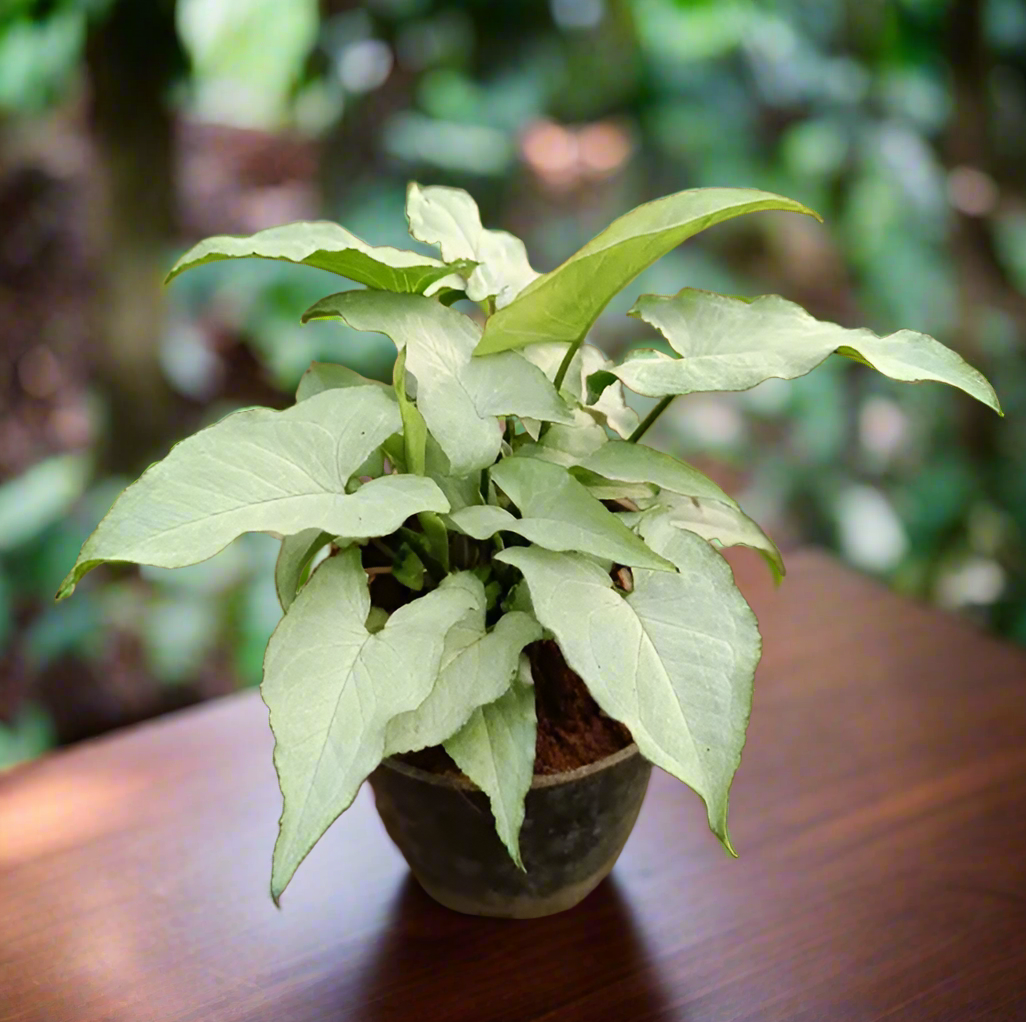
<point>446,217</point>
<point>477,667</point>
<point>718,522</point>
<point>733,344</point>
<point>612,489</point>
<point>563,304</point>
<point>503,270</point>
<point>673,660</point>
<point>261,471</point>
<point>558,513</point>
<point>636,463</point>
<point>332,687</point>
<point>322,376</point>
<point>609,408</point>
<point>329,247</point>
<point>294,559</point>
<point>567,445</point>
<point>449,218</point>
<point>458,395</point>
<point>495,749</point>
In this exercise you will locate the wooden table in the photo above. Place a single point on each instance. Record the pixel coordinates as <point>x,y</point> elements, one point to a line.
<point>880,813</point>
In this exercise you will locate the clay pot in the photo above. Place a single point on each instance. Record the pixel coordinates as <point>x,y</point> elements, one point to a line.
<point>575,827</point>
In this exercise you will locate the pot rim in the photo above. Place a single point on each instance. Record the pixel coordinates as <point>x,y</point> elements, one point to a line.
<point>539,781</point>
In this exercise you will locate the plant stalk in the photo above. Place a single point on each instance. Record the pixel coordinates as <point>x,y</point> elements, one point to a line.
<point>649,419</point>
<point>564,366</point>
<point>560,376</point>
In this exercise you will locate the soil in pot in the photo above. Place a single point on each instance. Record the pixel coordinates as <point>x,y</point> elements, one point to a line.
<point>588,787</point>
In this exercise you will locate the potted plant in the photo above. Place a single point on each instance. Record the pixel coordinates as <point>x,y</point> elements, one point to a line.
<point>482,562</point>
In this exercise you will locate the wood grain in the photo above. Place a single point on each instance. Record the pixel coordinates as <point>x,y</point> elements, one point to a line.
<point>880,813</point>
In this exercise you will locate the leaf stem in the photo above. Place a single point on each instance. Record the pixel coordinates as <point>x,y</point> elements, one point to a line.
<point>564,366</point>
<point>650,419</point>
<point>560,376</point>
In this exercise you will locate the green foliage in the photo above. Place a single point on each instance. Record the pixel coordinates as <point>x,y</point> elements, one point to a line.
<point>449,218</point>
<point>674,659</point>
<point>557,513</point>
<point>495,749</point>
<point>721,523</point>
<point>496,535</point>
<point>562,305</point>
<point>328,247</point>
<point>736,343</point>
<point>608,408</point>
<point>332,687</point>
<point>261,471</point>
<point>476,668</point>
<point>459,396</point>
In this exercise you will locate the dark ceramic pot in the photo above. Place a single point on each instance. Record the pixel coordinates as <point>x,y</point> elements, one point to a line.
<point>575,827</point>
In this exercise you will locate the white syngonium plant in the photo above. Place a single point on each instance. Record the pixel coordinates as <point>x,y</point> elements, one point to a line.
<point>501,481</point>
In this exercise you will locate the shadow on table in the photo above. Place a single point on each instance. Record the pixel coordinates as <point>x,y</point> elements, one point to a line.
<point>588,963</point>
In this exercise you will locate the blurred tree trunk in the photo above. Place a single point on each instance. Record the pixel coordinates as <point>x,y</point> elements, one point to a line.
<point>970,143</point>
<point>133,56</point>
<point>982,280</point>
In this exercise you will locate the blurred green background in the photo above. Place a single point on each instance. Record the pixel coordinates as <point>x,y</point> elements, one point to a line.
<point>130,128</point>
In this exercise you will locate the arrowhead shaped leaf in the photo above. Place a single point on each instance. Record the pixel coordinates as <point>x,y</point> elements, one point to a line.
<point>609,408</point>
<point>673,660</point>
<point>734,344</point>
<point>293,561</point>
<point>328,247</point>
<point>449,218</point>
<point>495,749</point>
<point>459,396</point>
<point>477,667</point>
<point>558,513</point>
<point>562,305</point>
<point>261,471</point>
<point>331,688</point>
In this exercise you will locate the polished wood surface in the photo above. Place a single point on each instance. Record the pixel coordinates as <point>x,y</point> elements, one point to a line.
<point>880,813</point>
